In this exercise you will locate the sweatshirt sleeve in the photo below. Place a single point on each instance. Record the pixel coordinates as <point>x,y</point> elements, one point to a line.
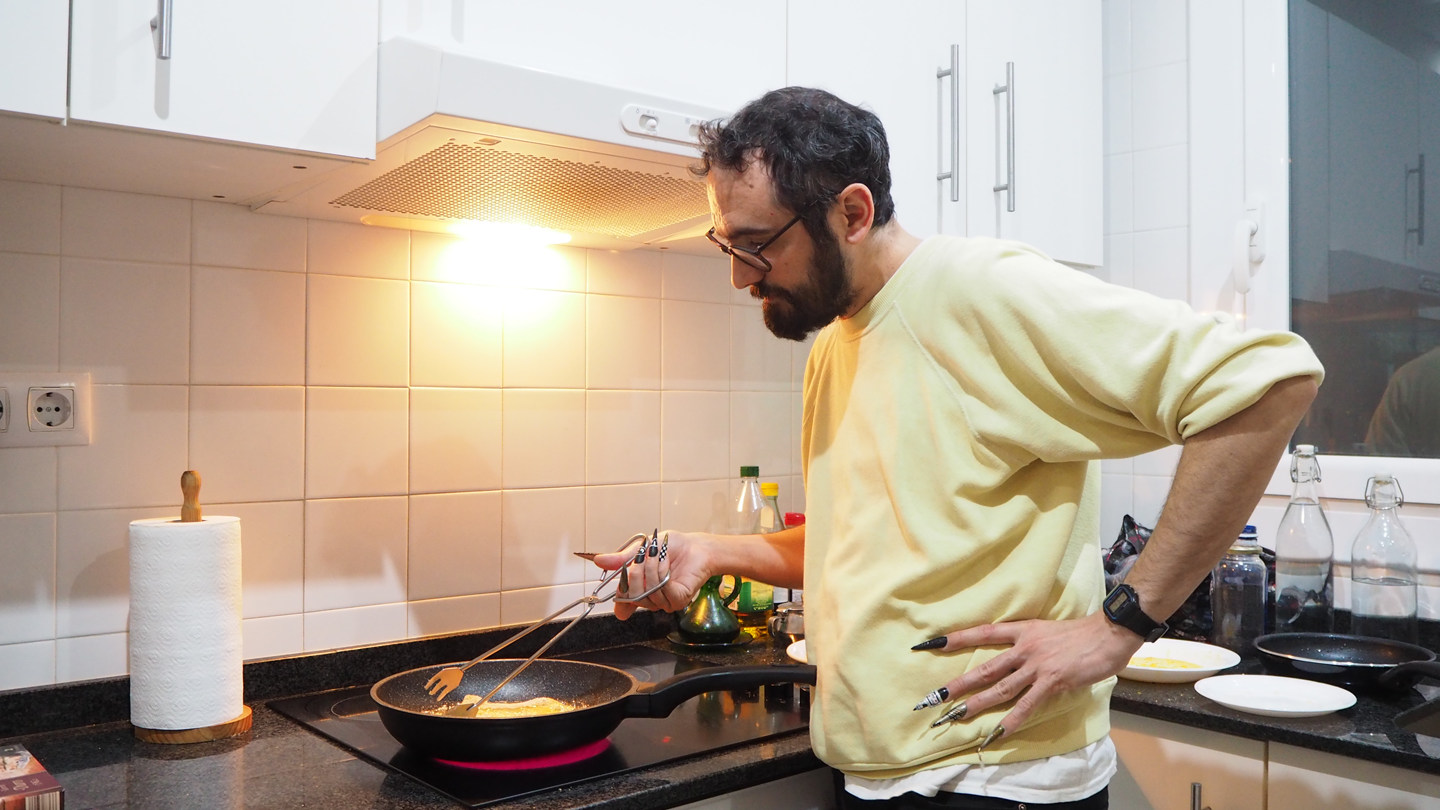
<point>1107,361</point>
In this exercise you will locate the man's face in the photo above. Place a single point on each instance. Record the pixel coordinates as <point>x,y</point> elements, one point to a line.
<point>809,283</point>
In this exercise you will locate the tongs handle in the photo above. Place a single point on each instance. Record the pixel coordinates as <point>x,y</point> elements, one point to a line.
<point>590,601</point>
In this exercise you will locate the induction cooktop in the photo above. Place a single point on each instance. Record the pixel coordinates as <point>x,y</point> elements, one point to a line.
<point>706,723</point>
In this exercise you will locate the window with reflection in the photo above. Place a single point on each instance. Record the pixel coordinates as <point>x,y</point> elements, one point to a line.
<point>1365,252</point>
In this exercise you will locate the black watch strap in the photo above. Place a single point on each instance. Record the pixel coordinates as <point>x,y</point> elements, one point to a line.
<point>1122,606</point>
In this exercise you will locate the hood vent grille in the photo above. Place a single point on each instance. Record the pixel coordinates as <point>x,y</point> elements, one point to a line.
<point>463,181</point>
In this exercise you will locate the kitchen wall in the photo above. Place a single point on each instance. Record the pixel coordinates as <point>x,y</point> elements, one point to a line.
<point>416,431</point>
<point>1178,163</point>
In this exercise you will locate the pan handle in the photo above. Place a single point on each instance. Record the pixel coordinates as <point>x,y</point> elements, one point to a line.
<point>1396,676</point>
<point>663,697</point>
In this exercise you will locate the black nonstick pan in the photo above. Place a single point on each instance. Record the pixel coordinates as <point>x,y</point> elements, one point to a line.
<point>1357,662</point>
<point>602,697</point>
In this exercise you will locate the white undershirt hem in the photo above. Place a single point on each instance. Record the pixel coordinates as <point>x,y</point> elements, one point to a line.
<point>1061,778</point>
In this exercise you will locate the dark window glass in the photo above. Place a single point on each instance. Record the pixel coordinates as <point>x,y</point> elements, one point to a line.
<point>1365,240</point>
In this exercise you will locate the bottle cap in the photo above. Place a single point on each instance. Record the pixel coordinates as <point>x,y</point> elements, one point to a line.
<point>1305,449</point>
<point>794,518</point>
<point>750,472</point>
<point>769,489</point>
<point>1249,530</point>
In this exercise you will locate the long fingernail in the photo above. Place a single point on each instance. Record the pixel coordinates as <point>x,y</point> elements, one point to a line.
<point>957,713</point>
<point>587,555</point>
<point>992,737</point>
<point>933,644</point>
<point>933,699</point>
<point>654,550</point>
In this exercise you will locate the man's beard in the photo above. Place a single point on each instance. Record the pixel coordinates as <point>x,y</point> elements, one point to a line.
<point>826,295</point>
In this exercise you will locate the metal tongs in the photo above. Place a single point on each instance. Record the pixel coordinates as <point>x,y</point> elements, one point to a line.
<point>446,680</point>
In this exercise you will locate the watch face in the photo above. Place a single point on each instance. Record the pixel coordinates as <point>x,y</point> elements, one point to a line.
<point>1120,599</point>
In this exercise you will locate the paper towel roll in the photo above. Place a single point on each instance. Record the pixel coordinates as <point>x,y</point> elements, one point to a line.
<point>185,643</point>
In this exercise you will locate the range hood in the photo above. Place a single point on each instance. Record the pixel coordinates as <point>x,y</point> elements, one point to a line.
<point>466,140</point>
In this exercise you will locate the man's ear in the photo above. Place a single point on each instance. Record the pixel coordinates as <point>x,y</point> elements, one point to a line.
<point>857,207</point>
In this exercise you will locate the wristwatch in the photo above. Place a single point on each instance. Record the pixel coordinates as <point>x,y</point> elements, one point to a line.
<point>1122,606</point>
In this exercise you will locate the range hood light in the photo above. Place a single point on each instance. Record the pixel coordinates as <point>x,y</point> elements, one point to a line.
<point>509,233</point>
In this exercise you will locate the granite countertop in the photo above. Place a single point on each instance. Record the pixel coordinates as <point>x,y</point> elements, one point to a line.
<point>1367,730</point>
<point>279,764</point>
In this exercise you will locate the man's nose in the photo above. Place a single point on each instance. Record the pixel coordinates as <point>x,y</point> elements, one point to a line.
<point>743,275</point>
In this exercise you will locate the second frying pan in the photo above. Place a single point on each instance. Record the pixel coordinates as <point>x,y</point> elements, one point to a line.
<point>1357,662</point>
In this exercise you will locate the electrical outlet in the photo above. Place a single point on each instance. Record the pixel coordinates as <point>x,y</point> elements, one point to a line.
<point>57,409</point>
<point>50,409</point>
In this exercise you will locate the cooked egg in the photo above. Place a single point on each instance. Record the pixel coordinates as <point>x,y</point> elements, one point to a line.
<point>534,707</point>
<point>1162,663</point>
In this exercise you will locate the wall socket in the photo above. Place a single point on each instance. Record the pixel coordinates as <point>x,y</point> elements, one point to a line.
<point>56,409</point>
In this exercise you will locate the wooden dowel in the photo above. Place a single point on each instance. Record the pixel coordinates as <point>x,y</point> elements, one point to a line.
<point>190,486</point>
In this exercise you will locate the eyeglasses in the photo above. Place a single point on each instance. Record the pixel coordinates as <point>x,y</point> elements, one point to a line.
<point>751,256</point>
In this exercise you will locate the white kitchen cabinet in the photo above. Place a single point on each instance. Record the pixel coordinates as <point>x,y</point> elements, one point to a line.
<point>34,38</point>
<point>714,56</point>
<point>298,76</point>
<point>1301,779</point>
<point>1159,761</point>
<point>1057,160</point>
<point>896,80</point>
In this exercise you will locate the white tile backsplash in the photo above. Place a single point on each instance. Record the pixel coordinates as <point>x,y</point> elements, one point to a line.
<point>30,312</point>
<point>622,437</point>
<point>136,453</point>
<point>247,327</point>
<point>357,331</point>
<point>541,530</point>
<point>1158,32</point>
<point>27,577</point>
<point>544,339</point>
<point>233,236</point>
<point>633,273</point>
<point>248,442</point>
<point>125,322</point>
<point>454,544</point>
<point>355,552</point>
<point>455,334</point>
<point>375,405</point>
<point>348,249</point>
<point>454,439</point>
<point>29,218</point>
<point>1161,116</point>
<point>1161,188</point>
<point>129,227</point>
<point>356,442</point>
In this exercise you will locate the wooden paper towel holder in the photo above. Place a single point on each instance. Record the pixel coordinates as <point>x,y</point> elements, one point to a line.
<point>190,513</point>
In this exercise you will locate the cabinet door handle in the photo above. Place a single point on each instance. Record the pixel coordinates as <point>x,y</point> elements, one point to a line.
<point>1009,90</point>
<point>1419,172</point>
<point>953,72</point>
<point>1195,803</point>
<point>162,24</point>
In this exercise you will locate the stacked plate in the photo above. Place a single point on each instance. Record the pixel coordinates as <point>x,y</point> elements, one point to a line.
<point>1176,661</point>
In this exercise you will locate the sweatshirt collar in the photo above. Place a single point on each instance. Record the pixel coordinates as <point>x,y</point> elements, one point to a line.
<point>857,324</point>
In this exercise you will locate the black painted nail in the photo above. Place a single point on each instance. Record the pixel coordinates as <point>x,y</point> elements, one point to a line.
<point>933,644</point>
<point>654,550</point>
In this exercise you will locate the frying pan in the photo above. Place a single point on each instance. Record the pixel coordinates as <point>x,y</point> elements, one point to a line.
<point>604,696</point>
<point>1354,661</point>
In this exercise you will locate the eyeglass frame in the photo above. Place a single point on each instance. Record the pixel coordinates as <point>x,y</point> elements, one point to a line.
<point>754,253</point>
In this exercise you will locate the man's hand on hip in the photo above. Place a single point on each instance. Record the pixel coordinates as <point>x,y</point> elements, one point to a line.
<point>1045,659</point>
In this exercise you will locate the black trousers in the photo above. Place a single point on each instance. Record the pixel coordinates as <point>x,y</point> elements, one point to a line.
<point>958,801</point>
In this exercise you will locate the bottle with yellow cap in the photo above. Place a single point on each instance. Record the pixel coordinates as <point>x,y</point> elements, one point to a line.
<point>757,599</point>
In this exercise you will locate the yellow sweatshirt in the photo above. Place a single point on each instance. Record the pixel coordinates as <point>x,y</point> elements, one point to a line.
<point>951,437</point>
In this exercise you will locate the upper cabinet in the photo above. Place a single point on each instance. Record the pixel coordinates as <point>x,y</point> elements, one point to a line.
<point>298,76</point>
<point>713,56</point>
<point>903,50</point>
<point>34,37</point>
<point>1035,148</point>
<point>931,68</point>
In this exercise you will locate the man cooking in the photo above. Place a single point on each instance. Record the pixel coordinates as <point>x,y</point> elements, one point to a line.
<point>958,399</point>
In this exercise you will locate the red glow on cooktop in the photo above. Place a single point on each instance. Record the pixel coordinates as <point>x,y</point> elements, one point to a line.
<point>572,756</point>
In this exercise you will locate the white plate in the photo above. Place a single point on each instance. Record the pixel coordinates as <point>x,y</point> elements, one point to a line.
<point>1274,696</point>
<point>1208,659</point>
<point>797,651</point>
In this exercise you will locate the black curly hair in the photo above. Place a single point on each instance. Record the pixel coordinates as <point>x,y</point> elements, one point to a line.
<point>814,145</point>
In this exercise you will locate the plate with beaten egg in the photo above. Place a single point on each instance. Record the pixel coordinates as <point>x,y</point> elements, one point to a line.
<point>1171,660</point>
